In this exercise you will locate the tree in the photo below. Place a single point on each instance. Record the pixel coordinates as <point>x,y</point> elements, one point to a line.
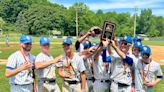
<point>2,22</point>
<point>10,9</point>
<point>145,21</point>
<point>41,19</point>
<point>99,11</point>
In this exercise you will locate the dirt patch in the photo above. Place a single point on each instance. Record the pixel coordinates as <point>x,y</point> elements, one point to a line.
<point>158,54</point>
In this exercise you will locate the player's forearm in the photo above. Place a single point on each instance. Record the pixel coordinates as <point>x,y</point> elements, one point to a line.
<point>10,73</point>
<point>157,81</point>
<point>98,53</point>
<point>59,71</point>
<point>83,81</point>
<point>81,39</point>
<point>119,52</point>
<point>40,65</point>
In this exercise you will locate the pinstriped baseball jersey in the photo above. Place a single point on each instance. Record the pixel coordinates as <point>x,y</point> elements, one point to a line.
<point>44,73</point>
<point>77,63</point>
<point>138,77</point>
<point>121,72</point>
<point>100,70</point>
<point>88,65</point>
<point>154,70</point>
<point>16,60</point>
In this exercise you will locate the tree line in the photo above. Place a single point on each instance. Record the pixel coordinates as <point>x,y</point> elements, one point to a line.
<point>41,17</point>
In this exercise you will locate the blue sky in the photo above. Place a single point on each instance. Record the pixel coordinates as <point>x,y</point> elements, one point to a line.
<point>157,6</point>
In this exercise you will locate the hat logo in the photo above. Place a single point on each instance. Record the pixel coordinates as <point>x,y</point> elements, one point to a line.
<point>45,39</point>
<point>27,37</point>
<point>125,37</point>
<point>65,40</point>
<point>139,43</point>
<point>145,48</point>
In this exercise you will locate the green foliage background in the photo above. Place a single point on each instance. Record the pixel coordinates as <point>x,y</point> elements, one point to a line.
<point>41,17</point>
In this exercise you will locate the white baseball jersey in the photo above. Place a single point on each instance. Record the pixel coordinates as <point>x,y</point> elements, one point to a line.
<point>154,70</point>
<point>138,77</point>
<point>121,71</point>
<point>77,65</point>
<point>16,60</point>
<point>48,72</point>
<point>88,65</point>
<point>101,71</point>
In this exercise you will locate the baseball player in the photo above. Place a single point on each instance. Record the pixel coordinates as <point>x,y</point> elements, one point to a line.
<point>87,55</point>
<point>121,64</point>
<point>84,36</point>
<point>19,67</point>
<point>45,64</point>
<point>136,55</point>
<point>101,70</point>
<point>72,69</point>
<point>148,69</point>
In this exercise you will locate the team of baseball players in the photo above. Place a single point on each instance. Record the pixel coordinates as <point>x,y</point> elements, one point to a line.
<point>119,65</point>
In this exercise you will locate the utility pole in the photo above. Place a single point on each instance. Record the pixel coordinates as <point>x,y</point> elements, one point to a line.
<point>76,22</point>
<point>135,14</point>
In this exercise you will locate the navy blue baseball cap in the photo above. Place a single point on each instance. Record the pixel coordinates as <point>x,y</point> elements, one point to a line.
<point>44,40</point>
<point>127,39</point>
<point>25,39</point>
<point>146,50</point>
<point>67,41</point>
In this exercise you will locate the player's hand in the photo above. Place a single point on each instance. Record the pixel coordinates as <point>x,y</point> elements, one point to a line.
<point>69,76</point>
<point>105,42</point>
<point>150,84</point>
<point>92,49</point>
<point>91,30</point>
<point>132,89</point>
<point>112,43</point>
<point>26,66</point>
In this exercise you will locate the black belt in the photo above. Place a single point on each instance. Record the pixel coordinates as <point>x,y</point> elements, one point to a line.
<point>122,85</point>
<point>49,81</point>
<point>91,79</point>
<point>105,81</point>
<point>72,81</point>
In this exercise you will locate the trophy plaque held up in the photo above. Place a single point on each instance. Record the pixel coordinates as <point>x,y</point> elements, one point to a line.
<point>108,30</point>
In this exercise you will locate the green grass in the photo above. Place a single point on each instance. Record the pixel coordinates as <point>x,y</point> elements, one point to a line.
<point>54,51</point>
<point>154,43</point>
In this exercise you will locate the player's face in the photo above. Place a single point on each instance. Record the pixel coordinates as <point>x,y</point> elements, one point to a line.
<point>45,48</point>
<point>67,48</point>
<point>124,46</point>
<point>145,56</point>
<point>136,51</point>
<point>27,46</point>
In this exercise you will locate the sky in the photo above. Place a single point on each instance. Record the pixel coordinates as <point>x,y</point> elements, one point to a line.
<point>119,6</point>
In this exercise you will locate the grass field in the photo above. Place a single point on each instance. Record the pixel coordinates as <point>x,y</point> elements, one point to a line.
<point>56,49</point>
